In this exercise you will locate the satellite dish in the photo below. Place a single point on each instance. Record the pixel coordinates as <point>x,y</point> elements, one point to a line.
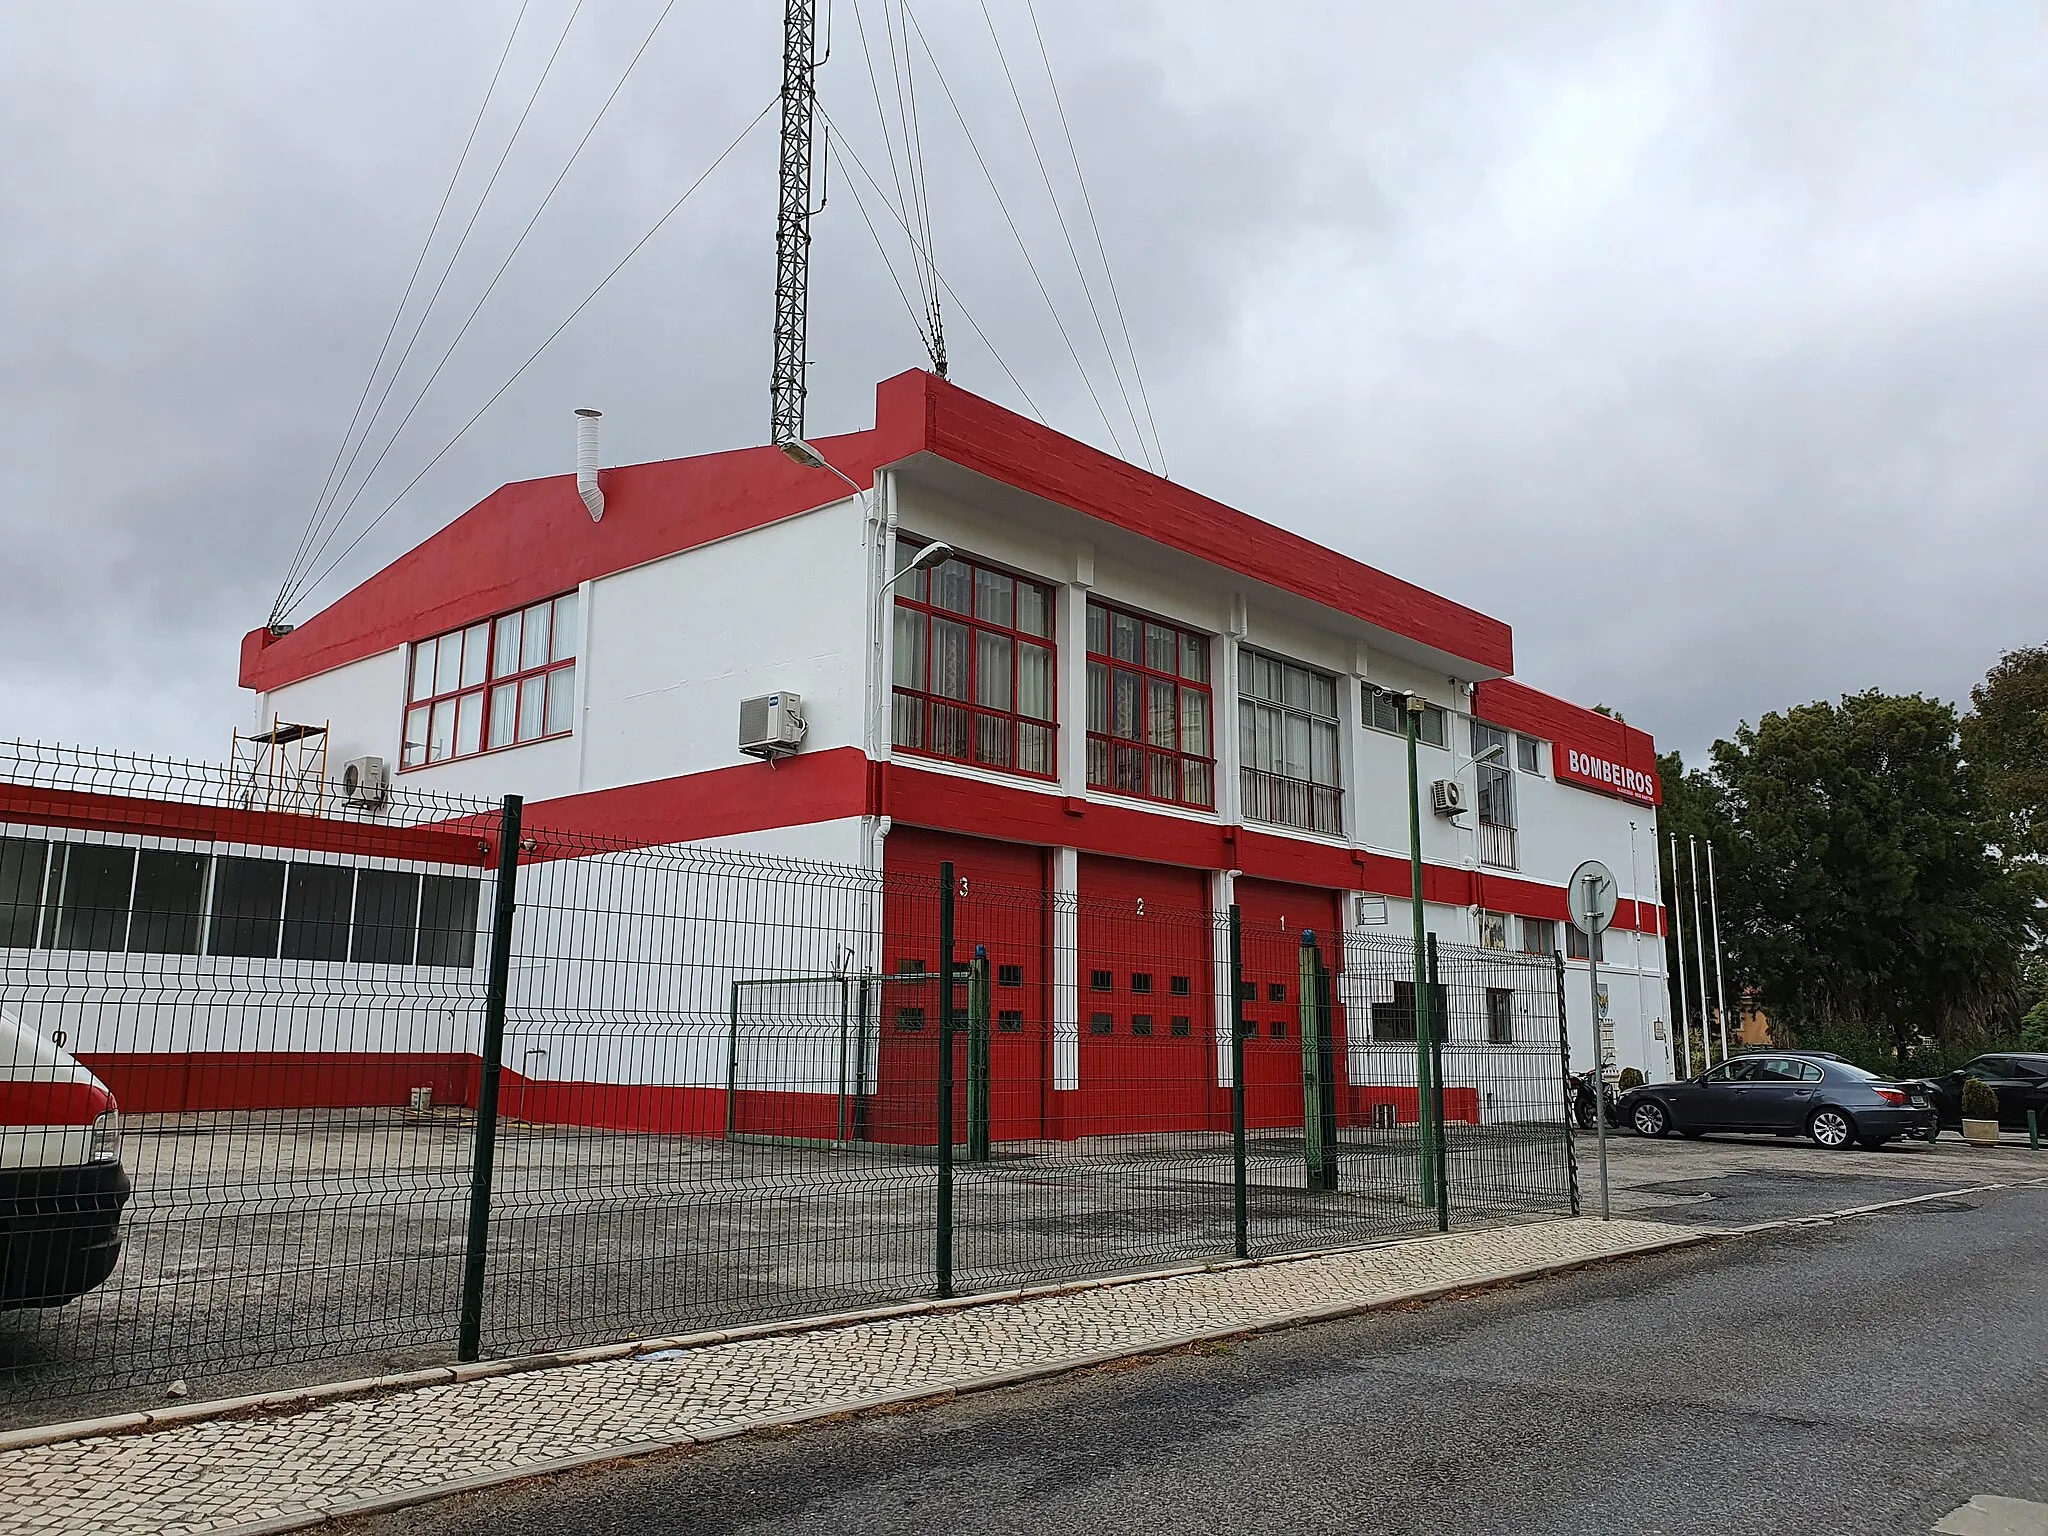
<point>1592,897</point>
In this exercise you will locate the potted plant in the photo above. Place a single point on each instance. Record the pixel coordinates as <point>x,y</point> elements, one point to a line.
<point>1980,1113</point>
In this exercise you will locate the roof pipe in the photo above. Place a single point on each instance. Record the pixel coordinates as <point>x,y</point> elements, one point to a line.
<point>586,463</point>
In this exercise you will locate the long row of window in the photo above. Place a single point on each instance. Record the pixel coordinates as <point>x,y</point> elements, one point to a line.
<point>501,683</point>
<point>975,682</point>
<point>150,901</point>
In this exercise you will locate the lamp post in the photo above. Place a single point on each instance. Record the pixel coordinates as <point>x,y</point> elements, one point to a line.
<point>1426,1133</point>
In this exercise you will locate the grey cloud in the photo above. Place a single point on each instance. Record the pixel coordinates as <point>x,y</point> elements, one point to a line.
<point>1703,344</point>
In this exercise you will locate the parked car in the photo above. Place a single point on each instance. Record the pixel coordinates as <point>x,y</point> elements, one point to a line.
<point>2019,1078</point>
<point>62,1186</point>
<point>1787,1092</point>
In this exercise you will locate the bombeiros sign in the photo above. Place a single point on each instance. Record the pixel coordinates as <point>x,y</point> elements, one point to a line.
<point>1576,766</point>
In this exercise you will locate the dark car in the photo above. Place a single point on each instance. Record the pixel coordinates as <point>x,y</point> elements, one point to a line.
<point>1786,1092</point>
<point>2019,1078</point>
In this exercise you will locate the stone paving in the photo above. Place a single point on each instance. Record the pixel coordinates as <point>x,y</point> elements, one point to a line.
<point>250,1474</point>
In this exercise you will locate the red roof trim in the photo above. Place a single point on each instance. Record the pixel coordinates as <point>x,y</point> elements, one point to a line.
<point>1519,707</point>
<point>533,539</point>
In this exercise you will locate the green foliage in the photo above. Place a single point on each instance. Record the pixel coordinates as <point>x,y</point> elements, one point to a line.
<point>1630,1078</point>
<point>2005,736</point>
<point>1858,873</point>
<point>2034,1027</point>
<point>1980,1100</point>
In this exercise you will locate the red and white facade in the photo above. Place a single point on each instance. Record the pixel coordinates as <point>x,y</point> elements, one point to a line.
<point>1119,689</point>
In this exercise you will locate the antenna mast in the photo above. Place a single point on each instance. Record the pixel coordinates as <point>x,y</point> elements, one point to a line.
<point>793,221</point>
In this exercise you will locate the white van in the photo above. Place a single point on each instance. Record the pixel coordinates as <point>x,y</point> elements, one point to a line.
<point>62,1185</point>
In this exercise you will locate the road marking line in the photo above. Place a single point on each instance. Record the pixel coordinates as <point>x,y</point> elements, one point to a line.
<point>1824,1218</point>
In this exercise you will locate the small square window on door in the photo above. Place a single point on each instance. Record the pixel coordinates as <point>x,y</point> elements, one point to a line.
<point>1009,975</point>
<point>1101,981</point>
<point>1010,1021</point>
<point>1277,1029</point>
<point>1181,1027</point>
<point>1101,1024</point>
<point>1141,1024</point>
<point>1178,986</point>
<point>1141,981</point>
<point>1276,992</point>
<point>910,1020</point>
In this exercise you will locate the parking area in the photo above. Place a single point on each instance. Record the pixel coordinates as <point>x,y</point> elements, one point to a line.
<point>1733,1181</point>
<point>270,1250</point>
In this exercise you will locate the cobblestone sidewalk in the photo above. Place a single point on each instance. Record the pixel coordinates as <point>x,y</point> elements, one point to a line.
<point>248,1475</point>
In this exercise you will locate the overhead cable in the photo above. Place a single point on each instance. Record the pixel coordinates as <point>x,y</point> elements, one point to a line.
<point>1087,382</point>
<point>419,265</point>
<point>534,356</point>
<point>419,325</point>
<point>938,277</point>
<point>1059,213</point>
<point>1087,202</point>
<point>491,286</point>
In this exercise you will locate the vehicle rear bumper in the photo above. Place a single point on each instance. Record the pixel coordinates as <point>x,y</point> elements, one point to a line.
<point>1891,1123</point>
<point>60,1231</point>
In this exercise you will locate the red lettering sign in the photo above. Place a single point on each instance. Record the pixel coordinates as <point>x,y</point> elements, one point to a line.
<point>1589,770</point>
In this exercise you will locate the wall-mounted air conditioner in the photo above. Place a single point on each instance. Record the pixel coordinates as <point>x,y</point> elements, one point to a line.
<point>365,781</point>
<point>772,726</point>
<point>1447,797</point>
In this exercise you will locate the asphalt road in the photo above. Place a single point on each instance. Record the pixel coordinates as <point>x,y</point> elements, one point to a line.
<point>1864,1377</point>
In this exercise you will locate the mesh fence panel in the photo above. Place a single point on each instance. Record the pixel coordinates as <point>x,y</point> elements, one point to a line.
<point>721,1080</point>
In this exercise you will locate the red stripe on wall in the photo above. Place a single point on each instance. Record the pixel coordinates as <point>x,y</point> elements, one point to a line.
<point>53,1104</point>
<point>91,810</point>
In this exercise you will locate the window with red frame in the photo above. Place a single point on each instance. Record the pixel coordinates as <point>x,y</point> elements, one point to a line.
<point>1149,709</point>
<point>501,683</point>
<point>974,666</point>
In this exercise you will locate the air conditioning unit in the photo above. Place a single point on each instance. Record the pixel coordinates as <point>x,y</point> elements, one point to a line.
<point>772,726</point>
<point>1447,797</point>
<point>365,781</point>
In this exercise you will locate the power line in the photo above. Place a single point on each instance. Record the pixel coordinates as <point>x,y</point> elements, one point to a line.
<point>881,250</point>
<point>1088,203</point>
<point>1059,213</point>
<point>420,324</point>
<point>659,224</point>
<point>1058,324</point>
<point>889,148</point>
<point>419,265</point>
<point>938,277</point>
<point>420,397</point>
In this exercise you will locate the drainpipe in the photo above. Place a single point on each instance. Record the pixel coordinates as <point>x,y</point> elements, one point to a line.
<point>586,463</point>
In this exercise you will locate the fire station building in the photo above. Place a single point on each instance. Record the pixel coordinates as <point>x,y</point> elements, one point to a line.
<point>1104,686</point>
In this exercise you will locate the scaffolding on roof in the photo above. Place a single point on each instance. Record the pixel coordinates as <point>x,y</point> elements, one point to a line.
<point>283,768</point>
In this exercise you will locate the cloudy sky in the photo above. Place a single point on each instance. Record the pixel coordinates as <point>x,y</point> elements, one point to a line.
<point>1704,343</point>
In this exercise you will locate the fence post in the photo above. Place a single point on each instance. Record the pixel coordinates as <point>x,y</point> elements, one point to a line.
<point>469,1345</point>
<point>977,1055</point>
<point>942,1260</point>
<point>1564,1057</point>
<point>1308,962</point>
<point>1237,1157</point>
<point>1438,1120</point>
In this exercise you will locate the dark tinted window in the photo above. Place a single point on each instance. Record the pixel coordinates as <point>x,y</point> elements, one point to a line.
<point>317,899</point>
<point>248,905</point>
<point>448,905</point>
<point>92,901</point>
<point>21,890</point>
<point>170,896</point>
<point>387,910</point>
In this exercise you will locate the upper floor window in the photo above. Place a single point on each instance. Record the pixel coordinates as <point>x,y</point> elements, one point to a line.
<point>1496,795</point>
<point>974,666</point>
<point>1529,754</point>
<point>1539,936</point>
<point>1148,709</point>
<point>1287,743</point>
<point>1493,930</point>
<point>506,681</point>
<point>1384,708</point>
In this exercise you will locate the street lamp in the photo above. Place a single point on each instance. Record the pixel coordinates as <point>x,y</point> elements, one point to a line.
<point>932,554</point>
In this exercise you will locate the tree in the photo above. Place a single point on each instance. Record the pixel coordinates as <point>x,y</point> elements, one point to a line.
<point>1866,887</point>
<point>2005,736</point>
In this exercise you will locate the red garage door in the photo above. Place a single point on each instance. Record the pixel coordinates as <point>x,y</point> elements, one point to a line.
<point>1274,917</point>
<point>1147,1017</point>
<point>999,904</point>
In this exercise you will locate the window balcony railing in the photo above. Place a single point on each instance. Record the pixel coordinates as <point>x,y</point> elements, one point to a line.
<point>1497,846</point>
<point>1285,802</point>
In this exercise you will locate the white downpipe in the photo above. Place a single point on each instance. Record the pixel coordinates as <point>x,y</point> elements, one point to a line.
<point>586,463</point>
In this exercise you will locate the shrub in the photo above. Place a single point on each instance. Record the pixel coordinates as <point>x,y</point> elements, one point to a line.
<point>1980,1101</point>
<point>1630,1078</point>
